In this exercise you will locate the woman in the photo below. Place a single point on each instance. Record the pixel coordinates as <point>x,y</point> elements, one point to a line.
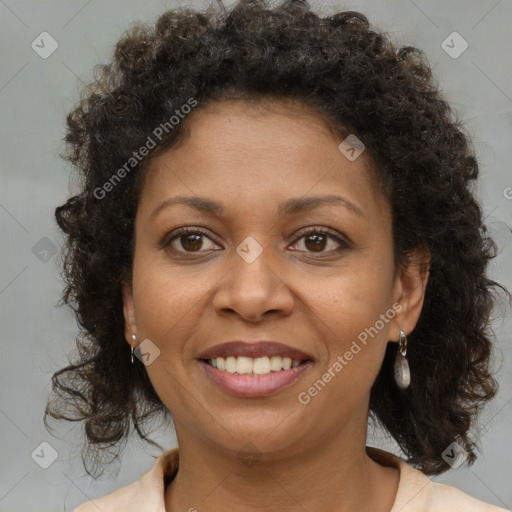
<point>275,238</point>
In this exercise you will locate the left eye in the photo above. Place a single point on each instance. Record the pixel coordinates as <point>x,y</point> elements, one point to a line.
<point>315,240</point>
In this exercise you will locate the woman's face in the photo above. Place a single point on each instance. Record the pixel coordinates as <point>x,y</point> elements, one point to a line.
<point>262,271</point>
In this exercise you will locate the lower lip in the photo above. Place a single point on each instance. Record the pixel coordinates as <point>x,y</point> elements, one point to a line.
<point>259,385</point>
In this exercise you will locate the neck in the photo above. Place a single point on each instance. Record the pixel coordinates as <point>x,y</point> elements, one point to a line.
<point>336,475</point>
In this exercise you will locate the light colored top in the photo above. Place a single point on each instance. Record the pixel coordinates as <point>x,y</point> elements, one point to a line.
<point>416,492</point>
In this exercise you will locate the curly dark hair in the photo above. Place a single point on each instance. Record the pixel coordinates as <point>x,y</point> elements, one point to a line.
<point>359,82</point>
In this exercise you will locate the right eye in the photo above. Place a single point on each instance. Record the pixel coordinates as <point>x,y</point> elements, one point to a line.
<point>191,240</point>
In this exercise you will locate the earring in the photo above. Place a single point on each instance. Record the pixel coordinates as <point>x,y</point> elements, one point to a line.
<point>402,372</point>
<point>134,339</point>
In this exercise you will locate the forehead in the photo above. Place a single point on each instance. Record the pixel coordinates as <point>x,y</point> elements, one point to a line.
<point>269,119</point>
<point>240,149</point>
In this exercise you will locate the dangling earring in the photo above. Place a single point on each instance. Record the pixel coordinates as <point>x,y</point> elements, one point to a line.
<point>134,339</point>
<point>402,372</point>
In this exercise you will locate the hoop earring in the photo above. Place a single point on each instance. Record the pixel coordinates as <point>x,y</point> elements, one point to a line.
<point>402,371</point>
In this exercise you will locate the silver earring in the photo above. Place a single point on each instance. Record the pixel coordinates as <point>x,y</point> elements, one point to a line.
<point>134,339</point>
<point>402,372</point>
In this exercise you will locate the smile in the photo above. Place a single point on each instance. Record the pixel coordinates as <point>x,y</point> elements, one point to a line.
<point>254,377</point>
<point>243,365</point>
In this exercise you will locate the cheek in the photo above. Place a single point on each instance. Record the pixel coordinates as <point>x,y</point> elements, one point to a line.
<point>352,348</point>
<point>351,312</point>
<point>353,297</point>
<point>170,302</point>
<point>167,304</point>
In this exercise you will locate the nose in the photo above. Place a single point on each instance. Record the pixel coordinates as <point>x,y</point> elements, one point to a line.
<point>253,289</point>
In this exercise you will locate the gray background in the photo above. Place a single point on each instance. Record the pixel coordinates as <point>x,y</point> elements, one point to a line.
<point>37,336</point>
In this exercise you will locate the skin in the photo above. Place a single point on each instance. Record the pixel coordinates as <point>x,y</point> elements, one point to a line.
<point>250,158</point>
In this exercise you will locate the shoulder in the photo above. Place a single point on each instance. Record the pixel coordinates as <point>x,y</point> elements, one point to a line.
<point>121,499</point>
<point>418,493</point>
<point>446,498</point>
<point>147,493</point>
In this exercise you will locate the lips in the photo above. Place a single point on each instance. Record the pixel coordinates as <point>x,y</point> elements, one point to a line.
<point>254,350</point>
<point>257,386</point>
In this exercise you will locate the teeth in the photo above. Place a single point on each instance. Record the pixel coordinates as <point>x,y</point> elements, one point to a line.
<point>276,363</point>
<point>253,366</point>
<point>261,366</point>
<point>243,365</point>
<point>231,364</point>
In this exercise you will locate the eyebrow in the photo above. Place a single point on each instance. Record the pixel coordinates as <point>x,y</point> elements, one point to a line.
<point>291,206</point>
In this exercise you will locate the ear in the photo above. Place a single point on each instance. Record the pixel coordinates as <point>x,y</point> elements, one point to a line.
<point>130,324</point>
<point>409,291</point>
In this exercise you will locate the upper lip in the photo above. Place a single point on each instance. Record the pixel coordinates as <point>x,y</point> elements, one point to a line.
<point>254,349</point>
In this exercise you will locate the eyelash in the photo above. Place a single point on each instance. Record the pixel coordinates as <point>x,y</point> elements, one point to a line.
<point>166,241</point>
